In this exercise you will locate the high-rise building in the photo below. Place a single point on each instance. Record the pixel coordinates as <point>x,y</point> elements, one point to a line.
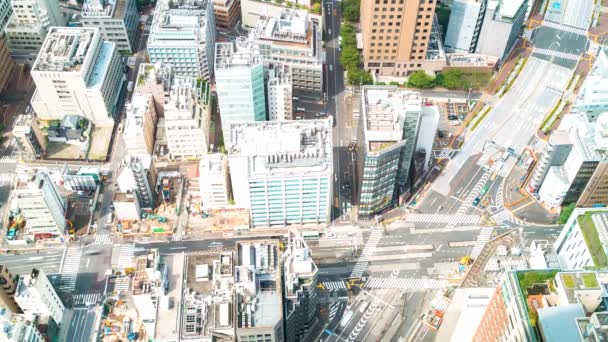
<point>252,11</point>
<point>283,171</point>
<point>227,13</point>
<point>300,279</point>
<point>577,245</point>
<point>5,13</point>
<point>388,130</point>
<point>555,153</point>
<point>6,64</point>
<point>156,80</point>
<point>503,22</point>
<point>36,296</point>
<point>183,35</point>
<point>28,26</point>
<point>8,287</point>
<point>17,328</point>
<point>139,177</point>
<point>77,73</point>
<point>280,95</point>
<point>116,19</point>
<point>466,19</point>
<point>140,125</point>
<point>592,98</point>
<point>239,77</point>
<point>187,118</point>
<point>396,35</point>
<point>29,137</point>
<point>293,37</point>
<point>214,181</point>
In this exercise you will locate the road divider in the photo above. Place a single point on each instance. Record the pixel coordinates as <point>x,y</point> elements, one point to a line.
<point>462,243</point>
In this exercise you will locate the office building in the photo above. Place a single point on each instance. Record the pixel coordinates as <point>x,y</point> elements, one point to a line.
<point>239,77</point>
<point>8,287</point>
<point>28,26</point>
<point>6,63</point>
<point>36,296</point>
<point>502,24</point>
<point>140,125</point>
<point>259,299</point>
<point>300,279</point>
<point>573,248</point>
<point>183,35</point>
<point>37,210</point>
<point>280,94</point>
<point>5,13</point>
<point>156,80</point>
<point>78,73</point>
<point>252,11</point>
<point>28,137</point>
<point>555,153</point>
<point>466,19</point>
<point>293,37</point>
<point>464,314</point>
<point>17,328</point>
<point>592,98</point>
<point>138,177</point>
<point>187,118</point>
<point>116,19</point>
<point>388,130</point>
<point>593,328</point>
<point>283,171</point>
<point>227,13</point>
<point>213,181</point>
<point>396,35</point>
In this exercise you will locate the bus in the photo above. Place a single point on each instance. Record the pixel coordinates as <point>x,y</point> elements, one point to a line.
<point>310,235</point>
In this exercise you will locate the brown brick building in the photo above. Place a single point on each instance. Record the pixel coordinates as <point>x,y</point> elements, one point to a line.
<point>7,290</point>
<point>6,64</point>
<point>596,191</point>
<point>227,13</point>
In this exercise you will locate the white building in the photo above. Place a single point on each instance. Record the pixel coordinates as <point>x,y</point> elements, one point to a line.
<point>28,26</point>
<point>280,93</point>
<point>140,125</point>
<point>239,77</point>
<point>77,72</point>
<point>183,35</point>
<point>138,177</point>
<point>466,19</point>
<point>17,328</point>
<point>463,316</point>
<point>187,118</point>
<point>117,20</point>
<point>254,10</point>
<point>213,181</point>
<point>36,297</point>
<point>283,171</point>
<point>573,245</point>
<point>592,98</point>
<point>502,25</point>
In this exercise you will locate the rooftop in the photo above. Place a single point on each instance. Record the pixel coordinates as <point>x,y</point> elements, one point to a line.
<point>385,109</point>
<point>594,226</point>
<point>283,146</point>
<point>240,53</point>
<point>464,313</point>
<point>179,22</point>
<point>212,164</point>
<point>104,9</point>
<point>558,323</point>
<point>291,26</point>
<point>506,9</point>
<point>151,75</point>
<point>181,99</point>
<point>299,268</point>
<point>594,328</point>
<point>66,49</point>
<point>136,111</point>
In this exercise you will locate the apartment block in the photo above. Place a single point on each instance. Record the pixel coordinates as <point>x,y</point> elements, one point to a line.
<point>259,299</point>
<point>28,137</point>
<point>573,248</point>
<point>227,13</point>
<point>116,19</point>
<point>77,72</point>
<point>592,98</point>
<point>183,35</point>
<point>283,171</point>
<point>8,286</point>
<point>214,181</point>
<point>156,80</point>
<point>388,130</point>
<point>138,177</point>
<point>37,297</point>
<point>280,93</point>
<point>239,77</point>
<point>187,118</point>
<point>466,19</point>
<point>396,35</point>
<point>502,25</point>
<point>28,26</point>
<point>140,125</point>
<point>17,328</point>
<point>293,37</point>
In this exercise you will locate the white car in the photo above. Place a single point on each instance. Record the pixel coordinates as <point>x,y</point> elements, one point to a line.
<point>331,67</point>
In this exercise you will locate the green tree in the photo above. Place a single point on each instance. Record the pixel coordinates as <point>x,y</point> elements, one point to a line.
<point>566,212</point>
<point>350,57</point>
<point>350,10</point>
<point>358,76</point>
<point>452,79</point>
<point>420,79</point>
<point>316,7</point>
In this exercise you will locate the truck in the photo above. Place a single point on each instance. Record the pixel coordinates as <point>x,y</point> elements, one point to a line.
<point>130,86</point>
<point>347,317</point>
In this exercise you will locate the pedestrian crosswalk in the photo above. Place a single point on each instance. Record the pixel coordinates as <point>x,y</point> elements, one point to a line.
<point>176,237</point>
<point>502,217</point>
<point>10,159</point>
<point>333,310</point>
<point>368,251</point>
<point>557,54</point>
<point>565,28</point>
<point>334,285</point>
<point>102,239</point>
<point>6,178</point>
<point>474,193</point>
<point>404,283</point>
<point>500,203</point>
<point>485,235</point>
<point>443,218</point>
<point>125,256</point>
<point>69,268</point>
<point>86,299</point>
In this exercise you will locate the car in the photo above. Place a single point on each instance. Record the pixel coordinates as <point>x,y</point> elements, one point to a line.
<point>476,201</point>
<point>329,31</point>
<point>331,67</point>
<point>110,218</point>
<point>452,117</point>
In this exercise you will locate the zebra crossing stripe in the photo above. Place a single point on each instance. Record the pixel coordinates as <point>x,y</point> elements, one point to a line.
<point>334,285</point>
<point>404,283</point>
<point>102,239</point>
<point>86,298</point>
